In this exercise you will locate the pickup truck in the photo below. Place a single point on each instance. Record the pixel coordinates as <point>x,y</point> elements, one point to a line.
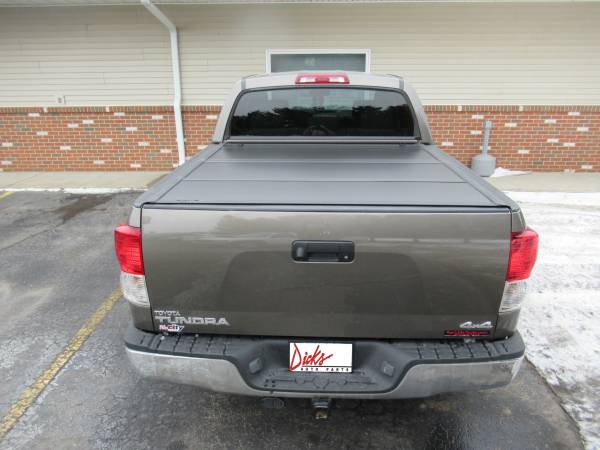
<point>322,246</point>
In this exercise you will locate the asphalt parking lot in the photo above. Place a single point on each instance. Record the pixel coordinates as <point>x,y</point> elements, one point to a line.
<point>57,267</point>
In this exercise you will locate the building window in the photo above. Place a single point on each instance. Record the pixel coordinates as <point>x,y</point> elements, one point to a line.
<point>300,59</point>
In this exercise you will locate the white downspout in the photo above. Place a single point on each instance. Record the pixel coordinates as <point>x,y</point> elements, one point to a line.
<point>176,75</point>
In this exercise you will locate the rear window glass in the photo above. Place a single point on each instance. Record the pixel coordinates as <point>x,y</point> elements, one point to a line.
<point>322,112</point>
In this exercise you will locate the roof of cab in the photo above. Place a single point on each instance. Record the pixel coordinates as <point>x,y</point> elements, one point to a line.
<point>289,78</point>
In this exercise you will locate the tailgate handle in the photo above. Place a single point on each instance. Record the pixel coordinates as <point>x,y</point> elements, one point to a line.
<point>323,251</point>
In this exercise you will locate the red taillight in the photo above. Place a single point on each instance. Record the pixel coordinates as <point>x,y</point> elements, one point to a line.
<point>523,253</point>
<point>322,78</point>
<point>128,246</point>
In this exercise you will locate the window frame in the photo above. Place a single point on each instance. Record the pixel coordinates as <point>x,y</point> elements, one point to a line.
<point>320,51</point>
<point>307,139</point>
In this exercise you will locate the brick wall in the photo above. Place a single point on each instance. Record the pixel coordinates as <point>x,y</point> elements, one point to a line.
<point>541,138</point>
<point>99,138</point>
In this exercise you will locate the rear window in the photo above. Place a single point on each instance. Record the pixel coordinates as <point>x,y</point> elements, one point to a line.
<point>322,112</point>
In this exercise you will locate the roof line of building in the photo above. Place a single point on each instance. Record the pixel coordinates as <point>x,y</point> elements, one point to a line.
<point>39,3</point>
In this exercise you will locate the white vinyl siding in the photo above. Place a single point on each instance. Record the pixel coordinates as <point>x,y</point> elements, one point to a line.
<point>91,55</point>
<point>518,54</point>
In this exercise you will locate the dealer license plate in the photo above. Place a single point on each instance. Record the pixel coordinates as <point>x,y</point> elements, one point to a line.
<point>320,357</point>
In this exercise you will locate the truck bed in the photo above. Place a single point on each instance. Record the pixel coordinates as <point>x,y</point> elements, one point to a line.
<point>430,241</point>
<point>326,174</point>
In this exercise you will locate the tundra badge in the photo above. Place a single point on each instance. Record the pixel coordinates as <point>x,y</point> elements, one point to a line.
<point>174,317</point>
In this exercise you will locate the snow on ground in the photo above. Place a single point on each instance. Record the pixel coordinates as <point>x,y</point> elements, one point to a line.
<point>502,172</point>
<point>560,321</point>
<point>557,198</point>
<point>82,191</point>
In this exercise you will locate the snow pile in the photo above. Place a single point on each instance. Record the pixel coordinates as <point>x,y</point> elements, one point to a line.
<point>99,190</point>
<point>557,198</point>
<point>560,321</point>
<point>501,172</point>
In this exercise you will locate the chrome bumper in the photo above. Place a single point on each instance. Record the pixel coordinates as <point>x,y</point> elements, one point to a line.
<point>421,380</point>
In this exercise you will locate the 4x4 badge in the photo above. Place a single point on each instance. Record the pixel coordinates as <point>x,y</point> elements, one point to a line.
<point>470,325</point>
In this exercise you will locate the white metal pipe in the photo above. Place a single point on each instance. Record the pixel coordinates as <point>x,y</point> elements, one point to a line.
<point>176,75</point>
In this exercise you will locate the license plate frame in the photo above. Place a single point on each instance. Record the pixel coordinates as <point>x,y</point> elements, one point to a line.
<point>328,357</point>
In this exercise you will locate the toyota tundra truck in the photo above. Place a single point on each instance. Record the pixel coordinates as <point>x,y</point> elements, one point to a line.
<point>322,246</point>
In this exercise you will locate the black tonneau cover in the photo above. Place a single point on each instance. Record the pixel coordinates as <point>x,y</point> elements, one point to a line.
<point>325,174</point>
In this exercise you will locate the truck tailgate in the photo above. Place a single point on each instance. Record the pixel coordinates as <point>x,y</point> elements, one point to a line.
<point>416,272</point>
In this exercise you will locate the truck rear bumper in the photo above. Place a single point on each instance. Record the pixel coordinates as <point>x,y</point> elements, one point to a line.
<point>383,369</point>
